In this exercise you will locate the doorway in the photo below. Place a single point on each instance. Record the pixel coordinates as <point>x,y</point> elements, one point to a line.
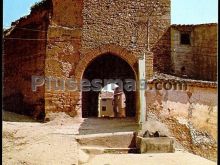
<point>107,67</point>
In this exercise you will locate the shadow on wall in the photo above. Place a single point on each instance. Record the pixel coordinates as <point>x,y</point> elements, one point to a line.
<point>25,59</point>
<point>15,103</point>
<point>14,117</point>
<point>162,53</point>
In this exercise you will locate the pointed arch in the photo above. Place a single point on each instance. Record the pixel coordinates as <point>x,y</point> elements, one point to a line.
<point>92,54</point>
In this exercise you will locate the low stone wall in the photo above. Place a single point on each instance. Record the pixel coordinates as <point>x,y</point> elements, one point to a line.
<point>193,111</point>
<point>197,104</point>
<point>155,144</point>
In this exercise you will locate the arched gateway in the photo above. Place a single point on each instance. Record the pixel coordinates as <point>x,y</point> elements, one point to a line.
<point>108,62</point>
<point>65,48</point>
<point>91,54</point>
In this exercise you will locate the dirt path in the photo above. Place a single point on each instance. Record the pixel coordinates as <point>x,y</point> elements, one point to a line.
<point>32,143</point>
<point>177,158</point>
<point>36,144</point>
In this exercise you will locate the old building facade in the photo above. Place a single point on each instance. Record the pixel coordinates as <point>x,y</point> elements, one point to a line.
<point>83,39</point>
<point>105,107</point>
<point>194,51</point>
<point>68,39</point>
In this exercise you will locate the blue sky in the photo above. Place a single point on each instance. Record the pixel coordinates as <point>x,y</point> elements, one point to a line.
<point>194,11</point>
<point>182,11</point>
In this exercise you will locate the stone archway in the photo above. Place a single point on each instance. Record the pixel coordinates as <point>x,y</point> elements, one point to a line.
<point>107,67</point>
<point>91,54</point>
<point>126,57</point>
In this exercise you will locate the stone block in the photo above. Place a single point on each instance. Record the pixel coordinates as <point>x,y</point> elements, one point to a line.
<point>155,144</point>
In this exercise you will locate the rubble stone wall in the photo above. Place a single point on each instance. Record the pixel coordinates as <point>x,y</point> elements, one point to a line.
<point>63,54</point>
<point>24,57</point>
<point>64,37</point>
<point>195,107</point>
<point>133,25</point>
<point>81,30</point>
<point>199,59</point>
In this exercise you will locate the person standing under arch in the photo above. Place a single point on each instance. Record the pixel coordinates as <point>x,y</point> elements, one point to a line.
<point>119,103</point>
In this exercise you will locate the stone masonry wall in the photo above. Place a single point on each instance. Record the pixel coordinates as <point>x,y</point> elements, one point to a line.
<point>131,25</point>
<point>199,59</point>
<point>63,53</point>
<point>82,30</point>
<point>24,56</point>
<point>205,52</point>
<point>191,115</point>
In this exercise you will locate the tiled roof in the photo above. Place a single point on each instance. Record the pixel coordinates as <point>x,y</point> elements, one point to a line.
<point>190,82</point>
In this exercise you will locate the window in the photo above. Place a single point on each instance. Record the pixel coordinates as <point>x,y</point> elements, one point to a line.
<point>185,38</point>
<point>103,108</point>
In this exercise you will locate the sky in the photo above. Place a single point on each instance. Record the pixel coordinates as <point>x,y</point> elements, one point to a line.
<point>182,11</point>
<point>109,87</point>
<point>194,11</point>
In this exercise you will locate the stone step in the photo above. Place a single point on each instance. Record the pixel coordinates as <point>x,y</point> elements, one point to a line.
<point>124,142</point>
<point>108,140</point>
<point>102,150</point>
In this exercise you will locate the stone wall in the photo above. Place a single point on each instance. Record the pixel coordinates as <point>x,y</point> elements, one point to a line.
<point>80,31</point>
<point>24,56</point>
<point>63,53</point>
<point>133,25</point>
<point>191,114</point>
<point>200,109</point>
<point>199,59</point>
<point>63,37</point>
